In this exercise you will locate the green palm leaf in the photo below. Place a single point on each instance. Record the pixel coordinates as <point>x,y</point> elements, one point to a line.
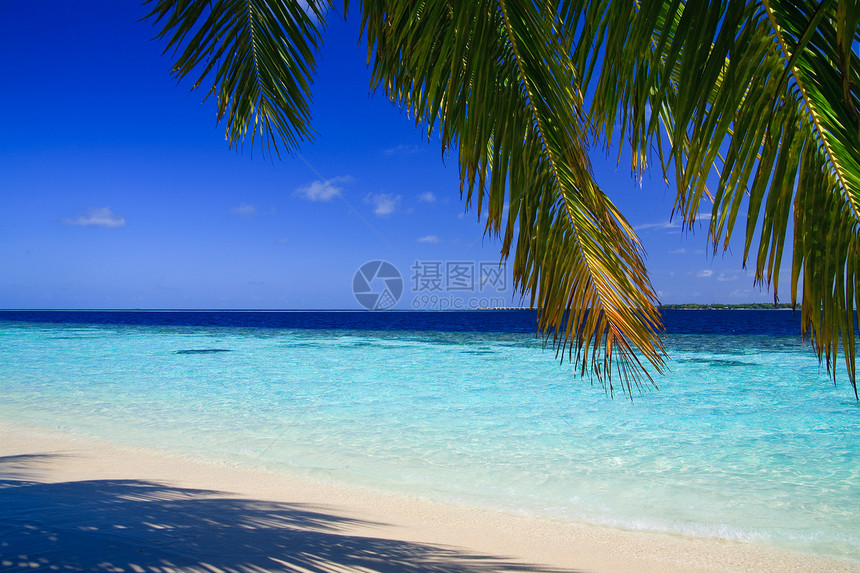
<point>509,105</point>
<point>750,105</point>
<point>756,105</point>
<point>258,56</point>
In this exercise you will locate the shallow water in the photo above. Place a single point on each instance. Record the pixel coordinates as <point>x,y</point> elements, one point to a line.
<point>746,439</point>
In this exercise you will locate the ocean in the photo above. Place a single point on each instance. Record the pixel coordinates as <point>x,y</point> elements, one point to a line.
<point>747,437</point>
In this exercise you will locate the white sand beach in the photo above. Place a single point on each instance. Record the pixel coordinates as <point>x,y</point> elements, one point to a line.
<point>69,503</point>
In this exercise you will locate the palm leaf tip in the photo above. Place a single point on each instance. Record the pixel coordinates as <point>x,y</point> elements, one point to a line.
<point>257,57</point>
<point>615,356</point>
<point>762,96</point>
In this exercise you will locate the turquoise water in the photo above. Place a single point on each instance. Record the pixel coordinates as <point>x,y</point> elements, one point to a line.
<point>747,438</point>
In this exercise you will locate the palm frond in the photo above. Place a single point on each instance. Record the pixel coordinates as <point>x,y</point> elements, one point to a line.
<point>257,56</point>
<point>751,105</point>
<point>757,103</point>
<point>495,79</point>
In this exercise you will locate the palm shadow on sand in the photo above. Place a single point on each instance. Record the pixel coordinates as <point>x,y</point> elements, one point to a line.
<point>133,525</point>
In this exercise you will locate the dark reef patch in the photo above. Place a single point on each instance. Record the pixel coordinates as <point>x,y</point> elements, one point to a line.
<point>202,351</point>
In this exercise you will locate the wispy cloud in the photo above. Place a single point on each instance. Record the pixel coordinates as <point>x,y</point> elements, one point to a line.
<point>311,12</point>
<point>659,226</point>
<point>702,218</point>
<point>428,239</point>
<point>705,274</point>
<point>427,197</point>
<point>246,210</point>
<point>746,293</point>
<point>401,150</point>
<point>678,251</point>
<point>320,190</point>
<point>383,203</point>
<point>723,277</point>
<point>102,217</point>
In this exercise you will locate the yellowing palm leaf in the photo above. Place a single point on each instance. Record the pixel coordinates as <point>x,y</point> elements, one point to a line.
<point>510,106</point>
<point>761,101</point>
<point>751,105</point>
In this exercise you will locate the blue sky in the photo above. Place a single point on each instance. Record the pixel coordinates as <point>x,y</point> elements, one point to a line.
<point>119,190</point>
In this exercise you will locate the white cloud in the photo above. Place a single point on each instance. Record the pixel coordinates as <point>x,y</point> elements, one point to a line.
<point>677,251</point>
<point>723,277</point>
<point>659,226</point>
<point>245,209</point>
<point>743,293</point>
<point>323,190</point>
<point>401,150</point>
<point>702,218</point>
<point>305,5</point>
<point>102,217</point>
<point>427,197</point>
<point>705,273</point>
<point>428,239</point>
<point>383,203</point>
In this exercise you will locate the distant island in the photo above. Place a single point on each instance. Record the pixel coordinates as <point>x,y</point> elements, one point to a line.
<point>717,306</point>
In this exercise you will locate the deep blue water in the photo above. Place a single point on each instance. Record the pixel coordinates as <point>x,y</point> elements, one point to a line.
<point>764,322</point>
